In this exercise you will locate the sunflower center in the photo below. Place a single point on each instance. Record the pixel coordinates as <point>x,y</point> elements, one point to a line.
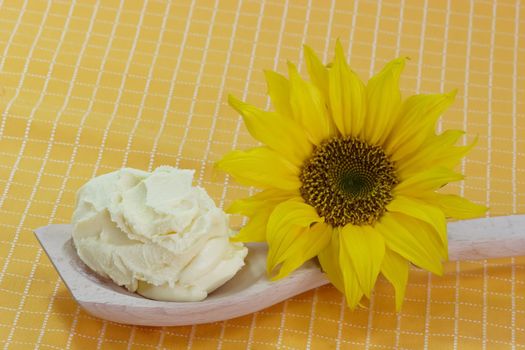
<point>354,184</point>
<point>348,181</point>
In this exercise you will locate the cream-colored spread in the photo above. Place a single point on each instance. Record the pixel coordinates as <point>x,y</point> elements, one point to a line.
<point>155,234</point>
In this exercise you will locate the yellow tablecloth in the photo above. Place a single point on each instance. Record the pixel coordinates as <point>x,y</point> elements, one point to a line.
<point>89,87</point>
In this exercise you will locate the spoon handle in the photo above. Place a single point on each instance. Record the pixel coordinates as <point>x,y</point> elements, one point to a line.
<point>486,238</point>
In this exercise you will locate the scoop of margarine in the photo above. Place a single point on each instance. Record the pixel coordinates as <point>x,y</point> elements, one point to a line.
<point>155,234</point>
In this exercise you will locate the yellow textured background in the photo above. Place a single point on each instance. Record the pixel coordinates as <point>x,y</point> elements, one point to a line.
<point>86,88</point>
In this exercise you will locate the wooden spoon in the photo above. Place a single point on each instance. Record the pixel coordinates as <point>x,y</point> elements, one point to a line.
<point>249,290</point>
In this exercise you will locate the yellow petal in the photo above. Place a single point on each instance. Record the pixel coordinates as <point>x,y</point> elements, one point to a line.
<point>383,101</point>
<point>255,229</point>
<point>340,271</point>
<point>435,148</point>
<point>423,211</point>
<point>455,206</point>
<point>329,260</point>
<point>415,242</point>
<point>265,199</point>
<point>347,96</point>
<point>415,121</point>
<point>426,180</point>
<point>285,224</point>
<point>279,91</point>
<point>395,269</point>
<point>353,291</point>
<point>452,156</point>
<point>317,71</point>
<point>261,167</point>
<point>309,107</point>
<point>364,247</point>
<point>279,133</point>
<point>258,207</point>
<point>309,242</point>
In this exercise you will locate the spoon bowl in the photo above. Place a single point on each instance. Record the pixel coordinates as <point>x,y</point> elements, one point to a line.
<point>249,290</point>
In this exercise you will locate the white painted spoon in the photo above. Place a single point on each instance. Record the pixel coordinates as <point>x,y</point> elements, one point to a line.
<point>249,290</point>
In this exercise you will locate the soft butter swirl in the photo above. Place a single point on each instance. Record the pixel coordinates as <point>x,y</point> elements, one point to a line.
<point>155,234</point>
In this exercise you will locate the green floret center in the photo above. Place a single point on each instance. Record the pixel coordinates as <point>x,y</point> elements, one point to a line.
<point>354,184</point>
<point>348,181</point>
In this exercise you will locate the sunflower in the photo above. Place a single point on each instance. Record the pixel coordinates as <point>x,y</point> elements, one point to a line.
<point>349,174</point>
